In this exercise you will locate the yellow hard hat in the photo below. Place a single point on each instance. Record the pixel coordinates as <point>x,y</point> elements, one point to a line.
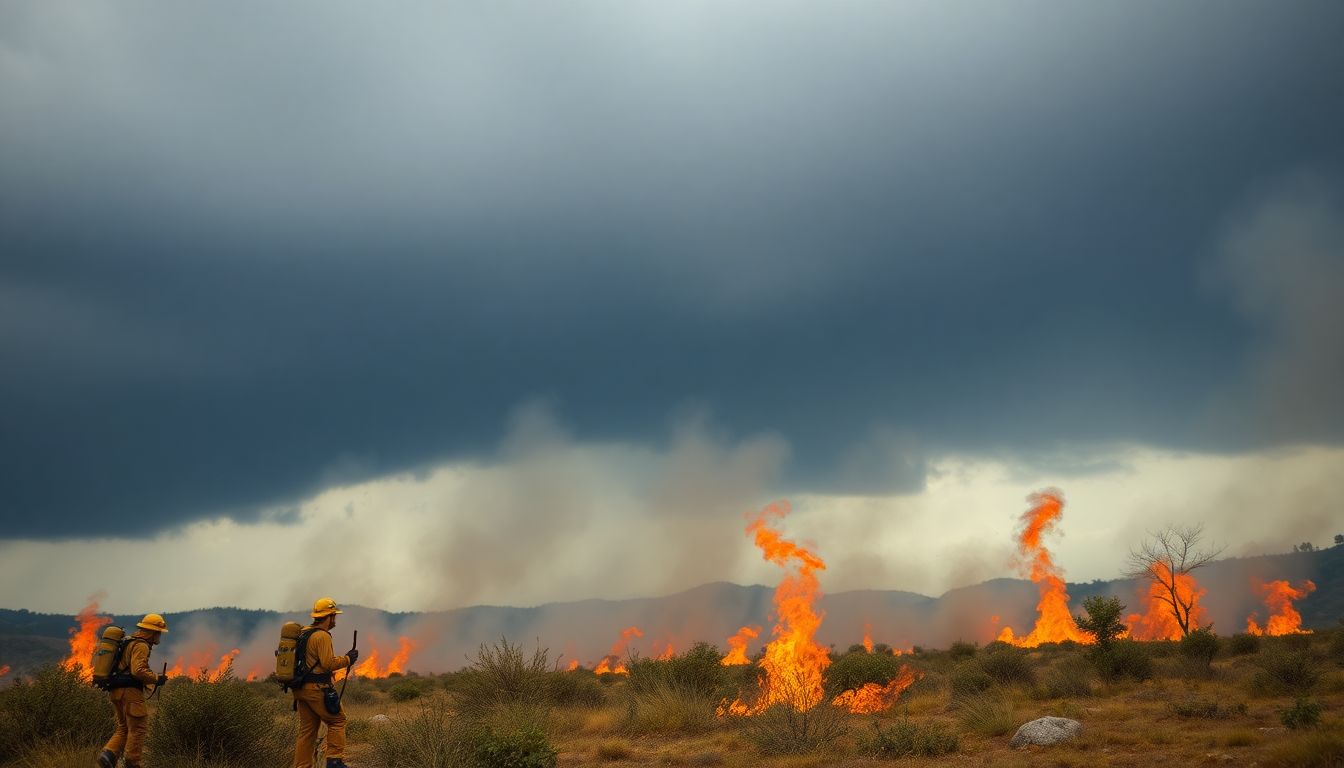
<point>324,607</point>
<point>153,622</point>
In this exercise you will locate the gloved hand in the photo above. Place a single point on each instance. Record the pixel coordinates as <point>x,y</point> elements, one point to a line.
<point>163,679</point>
<point>354,656</point>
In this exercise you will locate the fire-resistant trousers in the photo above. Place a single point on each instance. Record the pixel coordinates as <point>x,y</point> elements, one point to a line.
<point>308,703</point>
<point>128,704</point>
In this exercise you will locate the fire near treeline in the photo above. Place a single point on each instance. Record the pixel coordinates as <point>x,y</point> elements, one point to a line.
<point>792,663</point>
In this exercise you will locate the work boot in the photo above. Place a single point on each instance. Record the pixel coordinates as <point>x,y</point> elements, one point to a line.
<point>336,762</point>
<point>107,759</point>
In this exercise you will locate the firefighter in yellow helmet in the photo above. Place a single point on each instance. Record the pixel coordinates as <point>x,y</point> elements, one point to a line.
<point>315,699</point>
<point>130,675</point>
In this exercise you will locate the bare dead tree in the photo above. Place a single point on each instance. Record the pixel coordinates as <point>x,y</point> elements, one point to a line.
<point>1167,555</point>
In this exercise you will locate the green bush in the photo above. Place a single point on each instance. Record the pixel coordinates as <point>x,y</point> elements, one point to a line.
<point>1071,677</point>
<point>502,676</point>
<point>1103,619</point>
<point>985,714</point>
<point>405,690</point>
<point>1199,647</point>
<point>224,723</point>
<point>431,738</point>
<point>668,708</point>
<point>1124,658</point>
<point>1336,646</point>
<point>576,688</point>
<point>1206,709</point>
<point>961,650</point>
<point>527,748</point>
<point>905,738</point>
<point>359,694</point>
<point>1319,749</point>
<point>1303,714</point>
<point>1243,644</point>
<point>697,670</point>
<point>1008,666</point>
<point>1283,672</point>
<point>969,678</point>
<point>854,670</point>
<point>54,707</point>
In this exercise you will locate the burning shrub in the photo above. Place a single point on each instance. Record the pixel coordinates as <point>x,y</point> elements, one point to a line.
<point>222,722</point>
<point>55,707</point>
<point>666,707</point>
<point>1008,666</point>
<point>854,670</point>
<point>969,678</point>
<point>1124,658</point>
<point>1303,714</point>
<point>985,714</point>
<point>906,738</point>
<point>1243,644</point>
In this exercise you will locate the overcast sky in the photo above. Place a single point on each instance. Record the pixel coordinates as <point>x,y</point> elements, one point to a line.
<point>522,291</point>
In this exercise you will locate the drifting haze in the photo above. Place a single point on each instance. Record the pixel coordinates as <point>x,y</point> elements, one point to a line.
<point>282,285</point>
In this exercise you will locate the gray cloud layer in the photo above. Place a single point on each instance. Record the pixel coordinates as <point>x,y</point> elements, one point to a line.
<point>250,252</point>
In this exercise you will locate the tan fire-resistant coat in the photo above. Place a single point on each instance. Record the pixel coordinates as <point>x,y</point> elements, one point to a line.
<point>128,704</point>
<point>308,703</point>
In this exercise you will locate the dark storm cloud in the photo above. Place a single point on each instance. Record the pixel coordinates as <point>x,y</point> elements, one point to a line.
<point>249,251</point>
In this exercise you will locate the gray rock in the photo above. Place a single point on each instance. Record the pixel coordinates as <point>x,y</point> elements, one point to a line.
<point>1046,731</point>
<point>380,719</point>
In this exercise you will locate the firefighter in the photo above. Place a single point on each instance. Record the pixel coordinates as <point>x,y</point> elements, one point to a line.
<point>130,675</point>
<point>315,699</point>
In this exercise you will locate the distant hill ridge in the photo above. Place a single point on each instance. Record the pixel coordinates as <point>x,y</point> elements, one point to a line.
<point>585,629</point>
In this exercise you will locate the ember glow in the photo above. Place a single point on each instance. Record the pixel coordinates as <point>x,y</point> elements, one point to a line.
<point>84,638</point>
<point>612,661</point>
<point>868,637</point>
<point>4,670</point>
<point>1283,617</point>
<point>873,698</point>
<point>1158,622</point>
<point>1054,622</point>
<point>737,645</point>
<point>793,665</point>
<point>668,652</point>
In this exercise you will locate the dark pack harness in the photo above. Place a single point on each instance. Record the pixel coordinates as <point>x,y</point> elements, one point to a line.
<point>122,679</point>
<point>330,699</point>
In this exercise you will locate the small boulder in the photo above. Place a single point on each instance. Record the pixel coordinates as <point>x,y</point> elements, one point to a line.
<point>380,719</point>
<point>1046,731</point>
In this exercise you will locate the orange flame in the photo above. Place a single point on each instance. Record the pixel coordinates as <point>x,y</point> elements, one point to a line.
<point>1054,622</point>
<point>868,637</point>
<point>225,664</point>
<point>737,645</point>
<point>4,670</point>
<point>84,639</point>
<point>1158,622</point>
<point>668,653</point>
<point>877,698</point>
<point>371,668</point>
<point>573,664</point>
<point>612,662</point>
<point>1283,617</point>
<point>793,665</point>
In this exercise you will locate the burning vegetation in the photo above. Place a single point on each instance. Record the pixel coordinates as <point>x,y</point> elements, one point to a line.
<point>1054,622</point>
<point>1283,618</point>
<point>84,638</point>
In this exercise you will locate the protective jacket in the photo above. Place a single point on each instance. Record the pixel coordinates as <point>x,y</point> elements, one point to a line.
<point>320,656</point>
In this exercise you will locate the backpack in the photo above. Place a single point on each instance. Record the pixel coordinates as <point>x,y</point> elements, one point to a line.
<point>291,657</point>
<point>107,656</point>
